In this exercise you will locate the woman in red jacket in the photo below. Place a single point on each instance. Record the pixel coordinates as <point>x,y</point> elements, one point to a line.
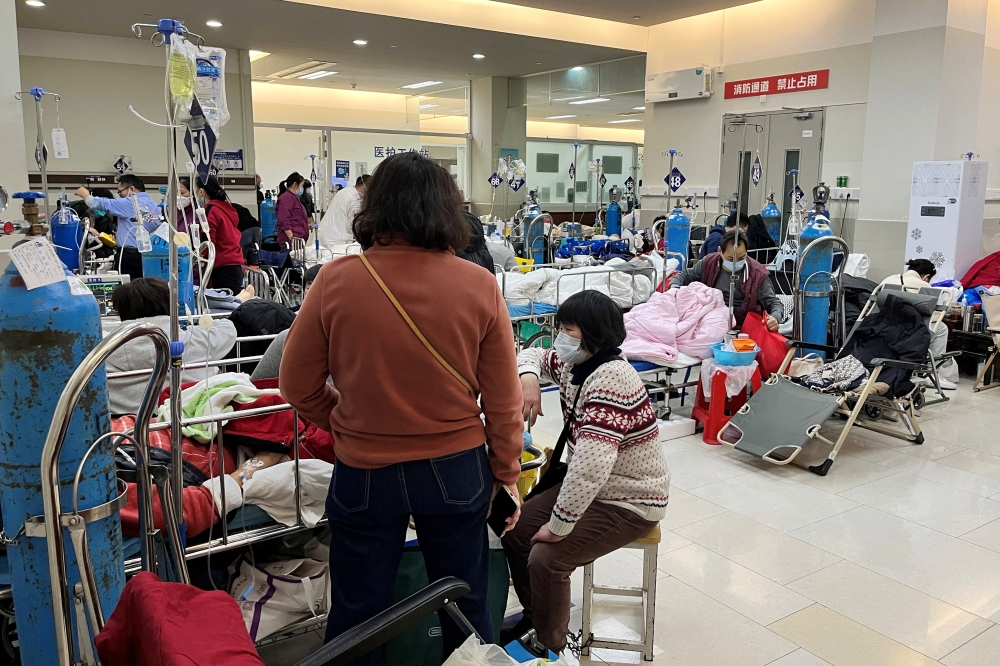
<point>293,220</point>
<point>222,222</point>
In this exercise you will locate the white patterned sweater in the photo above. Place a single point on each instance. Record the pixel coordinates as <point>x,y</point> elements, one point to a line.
<point>615,453</point>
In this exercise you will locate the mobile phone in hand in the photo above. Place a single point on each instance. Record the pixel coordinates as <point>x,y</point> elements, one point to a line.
<point>504,507</point>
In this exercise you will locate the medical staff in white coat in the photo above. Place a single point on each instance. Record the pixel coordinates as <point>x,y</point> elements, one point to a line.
<point>336,227</point>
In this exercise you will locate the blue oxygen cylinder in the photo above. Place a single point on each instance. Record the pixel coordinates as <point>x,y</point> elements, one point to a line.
<point>678,234</point>
<point>816,290</point>
<point>45,333</point>
<point>156,263</point>
<point>268,216</point>
<point>772,219</point>
<point>613,219</point>
<point>67,234</point>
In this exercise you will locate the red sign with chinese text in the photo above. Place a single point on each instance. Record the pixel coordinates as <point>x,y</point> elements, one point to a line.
<point>777,85</point>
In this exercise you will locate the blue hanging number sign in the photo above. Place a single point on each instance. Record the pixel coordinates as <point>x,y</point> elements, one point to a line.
<point>674,179</point>
<point>122,165</point>
<point>199,140</point>
<point>603,181</point>
<point>495,180</point>
<point>629,183</point>
<point>572,172</point>
<point>756,171</point>
<point>516,184</point>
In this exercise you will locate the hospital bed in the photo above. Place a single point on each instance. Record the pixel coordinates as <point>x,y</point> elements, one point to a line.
<point>778,422</point>
<point>659,379</point>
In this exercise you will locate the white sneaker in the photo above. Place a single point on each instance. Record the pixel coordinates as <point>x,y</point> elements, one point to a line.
<point>947,385</point>
<point>922,381</point>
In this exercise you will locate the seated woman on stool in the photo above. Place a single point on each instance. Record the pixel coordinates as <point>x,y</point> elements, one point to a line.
<point>616,484</point>
<point>753,291</point>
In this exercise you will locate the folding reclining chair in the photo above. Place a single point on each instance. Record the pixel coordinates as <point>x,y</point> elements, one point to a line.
<point>991,306</point>
<point>782,417</point>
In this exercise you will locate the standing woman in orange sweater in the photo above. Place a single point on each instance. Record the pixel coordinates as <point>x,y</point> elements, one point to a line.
<point>407,421</point>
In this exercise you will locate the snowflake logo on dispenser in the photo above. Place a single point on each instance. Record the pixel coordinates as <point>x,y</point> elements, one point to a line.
<point>937,258</point>
<point>916,234</point>
<point>920,249</point>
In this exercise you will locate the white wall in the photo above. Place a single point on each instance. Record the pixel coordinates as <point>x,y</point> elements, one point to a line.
<point>14,166</point>
<point>97,78</point>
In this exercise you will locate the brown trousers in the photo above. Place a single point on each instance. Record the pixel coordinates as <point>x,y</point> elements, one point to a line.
<point>541,572</point>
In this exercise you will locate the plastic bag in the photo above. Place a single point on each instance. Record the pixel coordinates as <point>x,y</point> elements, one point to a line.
<point>772,345</point>
<point>181,76</point>
<point>472,653</point>
<point>211,85</point>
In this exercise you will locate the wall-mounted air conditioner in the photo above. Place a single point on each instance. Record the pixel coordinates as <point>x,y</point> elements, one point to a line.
<point>693,83</point>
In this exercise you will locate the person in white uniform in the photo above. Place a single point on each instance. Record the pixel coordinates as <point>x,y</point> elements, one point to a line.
<point>336,227</point>
<point>919,275</point>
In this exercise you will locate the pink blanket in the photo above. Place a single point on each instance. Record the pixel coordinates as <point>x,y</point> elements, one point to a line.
<point>688,320</point>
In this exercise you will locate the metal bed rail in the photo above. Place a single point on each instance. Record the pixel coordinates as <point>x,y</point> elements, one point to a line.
<point>238,360</point>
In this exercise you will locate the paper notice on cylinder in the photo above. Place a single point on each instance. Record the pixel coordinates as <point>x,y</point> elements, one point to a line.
<point>37,263</point>
<point>59,144</point>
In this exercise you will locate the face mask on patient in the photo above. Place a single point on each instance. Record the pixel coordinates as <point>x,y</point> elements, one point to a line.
<point>568,349</point>
<point>731,267</point>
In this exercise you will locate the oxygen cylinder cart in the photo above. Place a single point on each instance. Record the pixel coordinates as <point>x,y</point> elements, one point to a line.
<point>534,228</point>
<point>67,234</point>
<point>814,281</point>
<point>47,332</point>
<point>268,216</point>
<point>772,218</point>
<point>613,215</point>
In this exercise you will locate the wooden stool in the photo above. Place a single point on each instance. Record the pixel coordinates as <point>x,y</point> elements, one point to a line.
<point>713,414</point>
<point>650,546</point>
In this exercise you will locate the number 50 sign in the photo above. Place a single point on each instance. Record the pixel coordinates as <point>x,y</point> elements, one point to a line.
<point>200,145</point>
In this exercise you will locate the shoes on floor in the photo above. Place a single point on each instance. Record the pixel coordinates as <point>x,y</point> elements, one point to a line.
<point>522,627</point>
<point>947,385</point>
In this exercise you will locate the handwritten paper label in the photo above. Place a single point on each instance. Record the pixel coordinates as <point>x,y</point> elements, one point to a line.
<point>59,144</point>
<point>37,263</point>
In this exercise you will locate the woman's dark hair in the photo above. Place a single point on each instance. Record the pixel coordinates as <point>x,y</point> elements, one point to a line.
<point>413,199</point>
<point>922,267</point>
<point>597,316</point>
<point>102,192</point>
<point>729,238</point>
<point>186,182</point>
<point>142,297</point>
<point>212,188</point>
<point>294,178</point>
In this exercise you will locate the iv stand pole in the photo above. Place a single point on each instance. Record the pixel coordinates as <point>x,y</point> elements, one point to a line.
<point>739,195</point>
<point>41,150</point>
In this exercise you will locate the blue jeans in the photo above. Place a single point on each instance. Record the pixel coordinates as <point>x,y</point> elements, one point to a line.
<point>369,510</point>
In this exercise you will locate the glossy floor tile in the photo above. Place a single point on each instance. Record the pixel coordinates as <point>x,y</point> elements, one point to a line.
<point>844,642</point>
<point>684,509</point>
<point>917,620</point>
<point>746,592</point>
<point>983,650</point>
<point>783,504</point>
<point>800,658</point>
<point>948,475</point>
<point>772,554</point>
<point>927,503</point>
<point>691,467</point>
<point>945,567</point>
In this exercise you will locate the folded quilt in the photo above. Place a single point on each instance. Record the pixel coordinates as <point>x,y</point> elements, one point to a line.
<point>836,376</point>
<point>688,321</point>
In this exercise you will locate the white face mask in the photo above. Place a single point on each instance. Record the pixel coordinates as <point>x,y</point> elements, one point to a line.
<point>183,202</point>
<point>568,349</point>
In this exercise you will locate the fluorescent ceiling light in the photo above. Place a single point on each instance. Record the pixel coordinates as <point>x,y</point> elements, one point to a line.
<point>360,42</point>
<point>566,99</point>
<point>478,56</point>
<point>558,117</point>
<point>257,55</point>
<point>592,101</point>
<point>576,69</point>
<point>627,120</point>
<point>213,24</point>
<point>422,84</point>
<point>317,75</point>
<point>34,3</point>
<point>638,108</point>
<point>427,106</point>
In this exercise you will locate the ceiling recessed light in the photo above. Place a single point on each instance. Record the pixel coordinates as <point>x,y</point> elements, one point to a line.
<point>478,56</point>
<point>634,18</point>
<point>360,42</point>
<point>538,63</point>
<point>638,108</point>
<point>626,120</point>
<point>591,101</point>
<point>578,68</point>
<point>392,46</point>
<point>257,55</point>
<point>558,117</point>
<point>34,3</point>
<point>422,84</point>
<point>213,24</point>
<point>317,75</point>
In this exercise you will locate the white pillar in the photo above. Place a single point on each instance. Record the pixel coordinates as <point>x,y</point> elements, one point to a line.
<point>494,125</point>
<point>923,104</point>
<point>13,166</point>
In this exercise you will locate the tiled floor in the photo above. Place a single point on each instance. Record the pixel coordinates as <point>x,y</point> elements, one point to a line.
<point>892,559</point>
